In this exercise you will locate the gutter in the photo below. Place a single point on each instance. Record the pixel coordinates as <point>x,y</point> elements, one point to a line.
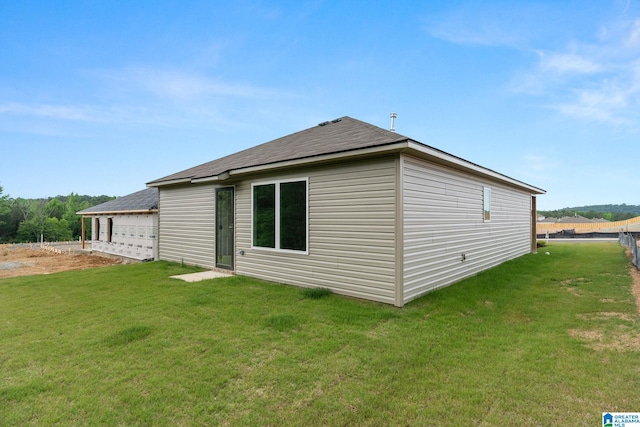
<point>170,182</point>
<point>83,213</point>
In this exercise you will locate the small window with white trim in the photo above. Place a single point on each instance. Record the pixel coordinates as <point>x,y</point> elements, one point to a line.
<point>487,204</point>
<point>280,215</point>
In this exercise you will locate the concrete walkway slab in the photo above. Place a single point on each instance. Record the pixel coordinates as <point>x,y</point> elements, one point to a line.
<point>203,275</point>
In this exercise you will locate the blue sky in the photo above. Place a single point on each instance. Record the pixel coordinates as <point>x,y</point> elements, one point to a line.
<point>100,97</point>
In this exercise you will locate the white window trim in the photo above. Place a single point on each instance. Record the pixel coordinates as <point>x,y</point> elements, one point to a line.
<point>277,225</point>
<point>486,203</point>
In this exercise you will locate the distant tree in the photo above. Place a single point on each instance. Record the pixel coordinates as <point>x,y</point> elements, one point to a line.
<point>14,221</point>
<point>27,232</point>
<point>22,207</point>
<point>4,202</point>
<point>5,216</point>
<point>55,209</point>
<point>592,214</point>
<point>74,204</point>
<point>20,211</point>
<point>30,219</point>
<point>608,212</point>
<point>621,216</point>
<point>57,230</point>
<point>36,221</point>
<point>38,216</point>
<point>40,225</point>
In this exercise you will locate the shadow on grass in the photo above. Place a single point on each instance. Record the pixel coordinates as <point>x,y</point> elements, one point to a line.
<point>281,322</point>
<point>17,393</point>
<point>316,293</point>
<point>128,335</point>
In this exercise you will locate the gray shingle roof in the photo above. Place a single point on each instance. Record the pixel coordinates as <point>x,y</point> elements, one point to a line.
<point>337,136</point>
<point>571,220</point>
<point>144,200</point>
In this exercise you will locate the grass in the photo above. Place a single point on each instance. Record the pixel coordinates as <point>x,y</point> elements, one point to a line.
<point>541,340</point>
<point>316,293</point>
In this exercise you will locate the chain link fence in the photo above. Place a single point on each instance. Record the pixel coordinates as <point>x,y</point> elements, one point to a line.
<point>626,239</point>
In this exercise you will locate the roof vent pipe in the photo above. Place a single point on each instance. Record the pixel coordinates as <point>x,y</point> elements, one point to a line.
<point>393,122</point>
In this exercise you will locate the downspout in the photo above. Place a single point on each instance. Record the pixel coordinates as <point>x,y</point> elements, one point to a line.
<point>399,231</point>
<point>534,220</point>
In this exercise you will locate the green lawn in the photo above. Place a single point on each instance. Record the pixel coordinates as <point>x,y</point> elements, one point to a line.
<point>541,340</point>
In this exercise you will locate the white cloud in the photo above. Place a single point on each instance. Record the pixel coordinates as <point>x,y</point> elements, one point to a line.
<point>61,112</point>
<point>593,81</point>
<point>182,85</point>
<point>515,25</point>
<point>73,120</point>
<point>486,35</point>
<point>603,104</point>
<point>143,96</point>
<point>633,38</point>
<point>568,63</point>
<point>592,75</point>
<point>467,26</point>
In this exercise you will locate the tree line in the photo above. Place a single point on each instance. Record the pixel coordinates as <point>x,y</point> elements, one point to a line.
<point>51,219</point>
<point>608,212</point>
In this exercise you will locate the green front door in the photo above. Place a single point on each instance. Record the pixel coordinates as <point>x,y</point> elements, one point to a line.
<point>224,228</point>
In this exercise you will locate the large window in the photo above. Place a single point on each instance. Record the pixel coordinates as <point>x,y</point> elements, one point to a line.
<point>487,204</point>
<point>280,215</point>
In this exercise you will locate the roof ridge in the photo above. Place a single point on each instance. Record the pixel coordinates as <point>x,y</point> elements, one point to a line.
<point>377,129</point>
<point>339,135</point>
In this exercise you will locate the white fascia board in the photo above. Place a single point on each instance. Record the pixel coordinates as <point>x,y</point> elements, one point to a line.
<point>148,211</point>
<point>221,177</point>
<point>171,182</point>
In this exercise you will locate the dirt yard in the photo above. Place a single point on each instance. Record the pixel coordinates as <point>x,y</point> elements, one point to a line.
<point>18,260</point>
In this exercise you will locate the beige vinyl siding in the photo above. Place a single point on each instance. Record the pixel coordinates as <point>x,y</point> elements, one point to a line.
<point>443,219</point>
<point>187,224</point>
<point>351,232</point>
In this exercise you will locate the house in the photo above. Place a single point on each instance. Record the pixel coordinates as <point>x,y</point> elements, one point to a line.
<point>575,219</point>
<point>348,206</point>
<point>126,226</point>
